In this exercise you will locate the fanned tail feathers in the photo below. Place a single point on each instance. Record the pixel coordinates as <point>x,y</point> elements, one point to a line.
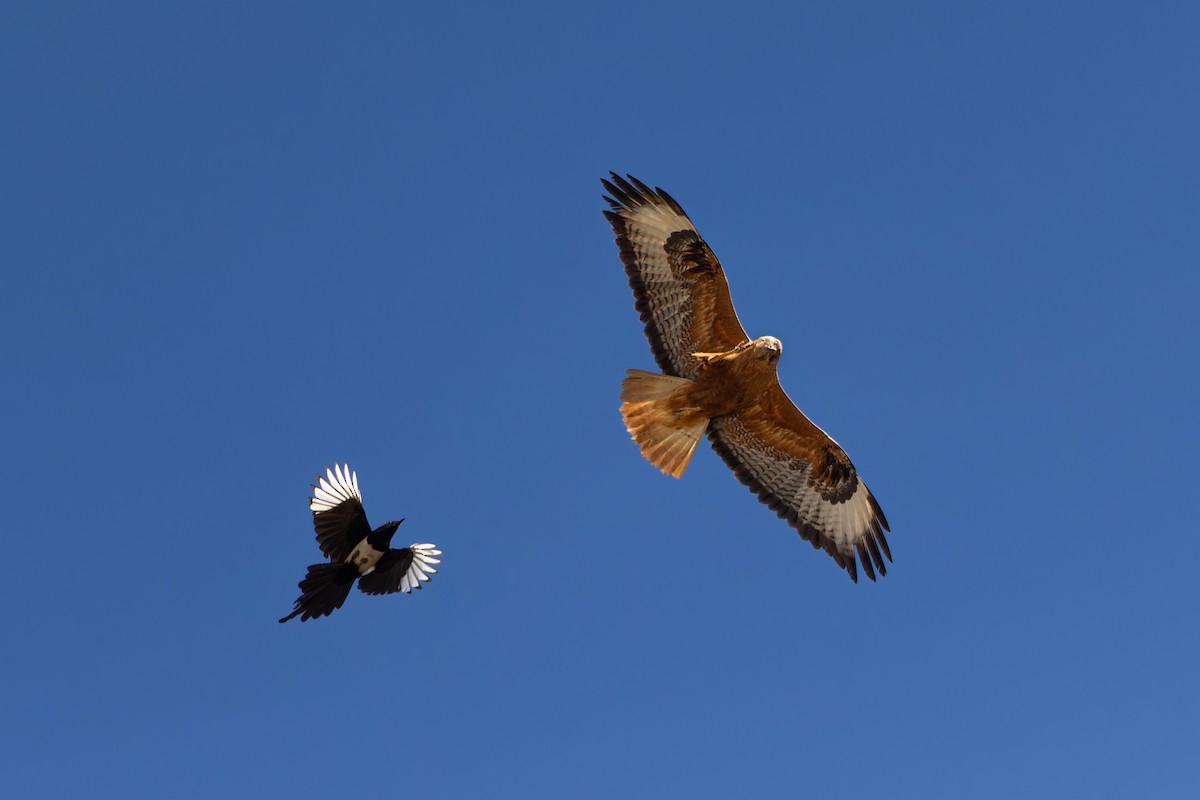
<point>657,415</point>
<point>323,590</point>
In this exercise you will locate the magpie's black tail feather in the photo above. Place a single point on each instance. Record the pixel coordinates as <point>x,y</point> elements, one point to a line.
<point>323,590</point>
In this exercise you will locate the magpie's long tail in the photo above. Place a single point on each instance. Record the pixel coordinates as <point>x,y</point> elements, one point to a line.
<point>323,590</point>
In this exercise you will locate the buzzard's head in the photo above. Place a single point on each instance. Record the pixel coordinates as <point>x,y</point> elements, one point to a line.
<point>768,348</point>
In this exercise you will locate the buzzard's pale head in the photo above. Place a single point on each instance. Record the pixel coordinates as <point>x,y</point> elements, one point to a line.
<point>768,348</point>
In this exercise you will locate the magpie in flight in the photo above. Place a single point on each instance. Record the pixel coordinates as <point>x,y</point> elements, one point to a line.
<point>355,551</point>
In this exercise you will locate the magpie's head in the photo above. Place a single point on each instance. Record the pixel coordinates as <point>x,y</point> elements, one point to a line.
<point>387,529</point>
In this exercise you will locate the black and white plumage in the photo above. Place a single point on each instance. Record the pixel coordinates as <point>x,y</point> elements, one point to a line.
<point>355,552</point>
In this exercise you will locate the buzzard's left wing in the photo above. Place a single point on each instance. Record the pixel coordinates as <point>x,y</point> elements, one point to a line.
<point>806,478</point>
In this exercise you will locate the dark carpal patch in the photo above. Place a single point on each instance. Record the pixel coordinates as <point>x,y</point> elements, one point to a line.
<point>834,477</point>
<point>688,254</point>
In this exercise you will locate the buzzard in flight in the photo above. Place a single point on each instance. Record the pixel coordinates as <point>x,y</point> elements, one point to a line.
<point>719,381</point>
<point>355,551</point>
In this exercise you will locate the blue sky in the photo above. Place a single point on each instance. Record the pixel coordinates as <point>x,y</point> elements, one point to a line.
<point>242,243</point>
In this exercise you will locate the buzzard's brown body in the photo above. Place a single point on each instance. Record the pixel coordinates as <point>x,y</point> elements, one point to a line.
<point>719,382</point>
<point>667,416</point>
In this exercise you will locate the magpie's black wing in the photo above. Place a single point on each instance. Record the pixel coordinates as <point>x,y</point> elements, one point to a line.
<point>338,513</point>
<point>401,570</point>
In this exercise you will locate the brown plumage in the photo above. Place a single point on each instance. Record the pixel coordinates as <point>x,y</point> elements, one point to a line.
<point>718,381</point>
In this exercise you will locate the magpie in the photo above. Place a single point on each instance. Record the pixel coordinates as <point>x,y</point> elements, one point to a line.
<point>355,551</point>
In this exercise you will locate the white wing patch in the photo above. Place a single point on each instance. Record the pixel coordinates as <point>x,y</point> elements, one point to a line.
<point>421,567</point>
<point>342,484</point>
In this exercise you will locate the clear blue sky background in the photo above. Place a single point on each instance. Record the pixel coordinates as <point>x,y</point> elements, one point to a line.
<point>242,242</point>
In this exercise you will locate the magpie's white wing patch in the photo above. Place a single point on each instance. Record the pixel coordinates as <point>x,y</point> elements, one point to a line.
<point>421,567</point>
<point>402,570</point>
<point>342,485</point>
<point>338,515</point>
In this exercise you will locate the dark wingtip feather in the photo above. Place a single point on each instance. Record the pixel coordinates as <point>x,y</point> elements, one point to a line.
<point>614,218</point>
<point>622,188</point>
<point>678,209</point>
<point>878,511</point>
<point>883,544</point>
<point>875,556</point>
<point>865,558</point>
<point>642,188</point>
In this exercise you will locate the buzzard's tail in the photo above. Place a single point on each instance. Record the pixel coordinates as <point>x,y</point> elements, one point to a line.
<point>656,413</point>
<point>323,590</point>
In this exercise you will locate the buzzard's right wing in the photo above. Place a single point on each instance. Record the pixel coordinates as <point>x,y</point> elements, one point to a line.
<point>678,285</point>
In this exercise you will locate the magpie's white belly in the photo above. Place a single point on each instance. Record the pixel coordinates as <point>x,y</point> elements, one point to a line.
<point>364,557</point>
